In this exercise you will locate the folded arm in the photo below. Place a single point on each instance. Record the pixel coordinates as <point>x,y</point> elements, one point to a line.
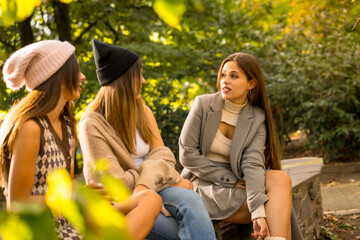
<point>190,154</point>
<point>95,146</point>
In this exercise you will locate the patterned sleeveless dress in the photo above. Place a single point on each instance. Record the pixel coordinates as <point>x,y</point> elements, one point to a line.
<point>54,154</point>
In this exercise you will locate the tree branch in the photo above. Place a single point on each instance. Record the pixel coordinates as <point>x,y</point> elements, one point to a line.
<point>13,48</point>
<point>112,30</point>
<point>357,20</point>
<point>78,39</point>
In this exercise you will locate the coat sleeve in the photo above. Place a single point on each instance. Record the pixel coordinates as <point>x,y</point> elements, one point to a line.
<point>158,169</point>
<point>94,146</point>
<point>190,153</point>
<point>253,168</point>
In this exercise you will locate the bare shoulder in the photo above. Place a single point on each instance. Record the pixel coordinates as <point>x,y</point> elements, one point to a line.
<point>149,113</point>
<point>27,141</point>
<point>147,110</point>
<point>28,136</point>
<point>29,128</point>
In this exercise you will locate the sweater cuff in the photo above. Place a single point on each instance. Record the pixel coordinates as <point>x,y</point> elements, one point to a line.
<point>258,212</point>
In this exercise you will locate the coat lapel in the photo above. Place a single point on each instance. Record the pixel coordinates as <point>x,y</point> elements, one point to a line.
<point>212,122</point>
<point>242,128</point>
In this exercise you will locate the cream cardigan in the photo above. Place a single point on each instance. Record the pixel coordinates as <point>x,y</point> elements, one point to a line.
<point>99,140</point>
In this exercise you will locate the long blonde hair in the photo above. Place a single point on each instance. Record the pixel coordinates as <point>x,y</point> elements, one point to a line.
<point>37,103</point>
<point>258,97</point>
<point>119,103</point>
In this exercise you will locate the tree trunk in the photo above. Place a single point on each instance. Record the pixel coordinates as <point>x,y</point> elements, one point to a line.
<point>62,20</point>
<point>26,33</point>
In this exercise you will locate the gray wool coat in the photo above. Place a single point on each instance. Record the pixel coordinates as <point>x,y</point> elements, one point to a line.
<point>215,181</point>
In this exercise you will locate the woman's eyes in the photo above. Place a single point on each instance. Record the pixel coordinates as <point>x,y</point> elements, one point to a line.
<point>233,76</point>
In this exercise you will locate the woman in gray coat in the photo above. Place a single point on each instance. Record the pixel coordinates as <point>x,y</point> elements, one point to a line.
<point>228,142</point>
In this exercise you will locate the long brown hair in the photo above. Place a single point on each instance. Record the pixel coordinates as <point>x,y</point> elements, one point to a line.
<point>37,103</point>
<point>258,97</point>
<point>118,102</point>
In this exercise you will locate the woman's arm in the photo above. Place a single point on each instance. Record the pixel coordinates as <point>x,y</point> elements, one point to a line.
<point>158,170</point>
<point>23,161</point>
<point>95,146</point>
<point>156,139</point>
<point>253,168</point>
<point>190,155</point>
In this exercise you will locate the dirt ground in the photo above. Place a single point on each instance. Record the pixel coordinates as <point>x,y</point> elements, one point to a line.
<point>346,227</point>
<point>341,227</point>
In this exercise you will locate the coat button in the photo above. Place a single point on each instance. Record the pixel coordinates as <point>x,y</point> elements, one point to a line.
<point>227,180</point>
<point>68,157</point>
<point>222,178</point>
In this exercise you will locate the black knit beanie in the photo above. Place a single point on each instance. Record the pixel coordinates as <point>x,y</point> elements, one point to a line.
<point>111,61</point>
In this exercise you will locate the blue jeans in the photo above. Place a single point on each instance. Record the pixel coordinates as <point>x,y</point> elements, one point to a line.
<point>190,218</point>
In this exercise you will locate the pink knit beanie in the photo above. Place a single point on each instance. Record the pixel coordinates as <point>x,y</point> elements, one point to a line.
<point>34,64</point>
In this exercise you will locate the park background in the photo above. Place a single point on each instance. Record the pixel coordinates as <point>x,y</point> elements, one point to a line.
<point>309,51</point>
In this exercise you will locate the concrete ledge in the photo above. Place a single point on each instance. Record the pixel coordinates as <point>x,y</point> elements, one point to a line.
<point>305,175</point>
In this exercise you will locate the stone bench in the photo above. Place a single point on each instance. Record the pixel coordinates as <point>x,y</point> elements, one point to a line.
<point>305,176</point>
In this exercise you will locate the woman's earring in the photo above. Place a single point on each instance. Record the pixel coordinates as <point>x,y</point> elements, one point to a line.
<point>249,93</point>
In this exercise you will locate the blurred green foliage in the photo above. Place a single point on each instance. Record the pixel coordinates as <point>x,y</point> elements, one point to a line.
<point>309,51</point>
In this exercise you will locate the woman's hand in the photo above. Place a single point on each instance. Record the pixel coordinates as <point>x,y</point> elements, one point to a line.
<point>240,184</point>
<point>261,229</point>
<point>99,188</point>
<point>140,188</point>
<point>184,183</point>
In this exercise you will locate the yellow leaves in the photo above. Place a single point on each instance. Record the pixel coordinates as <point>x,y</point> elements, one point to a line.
<point>37,3</point>
<point>19,10</point>
<point>87,210</point>
<point>287,30</point>
<point>170,11</point>
<point>100,213</point>
<point>66,1</point>
<point>12,224</point>
<point>154,37</point>
<point>115,188</point>
<point>59,198</point>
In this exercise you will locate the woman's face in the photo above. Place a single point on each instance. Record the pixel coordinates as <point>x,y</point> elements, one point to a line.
<point>234,83</point>
<point>75,94</point>
<point>142,81</point>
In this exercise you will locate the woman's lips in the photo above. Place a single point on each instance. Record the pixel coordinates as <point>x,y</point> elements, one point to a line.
<point>225,89</point>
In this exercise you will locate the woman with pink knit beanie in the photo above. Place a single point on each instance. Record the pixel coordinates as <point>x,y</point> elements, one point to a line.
<point>38,133</point>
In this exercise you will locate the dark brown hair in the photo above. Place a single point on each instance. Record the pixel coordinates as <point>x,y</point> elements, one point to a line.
<point>118,102</point>
<point>37,103</point>
<point>258,97</point>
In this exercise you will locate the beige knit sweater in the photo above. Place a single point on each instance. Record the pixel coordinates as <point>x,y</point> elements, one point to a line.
<point>99,140</point>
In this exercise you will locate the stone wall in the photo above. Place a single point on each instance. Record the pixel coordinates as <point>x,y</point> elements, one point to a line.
<point>308,208</point>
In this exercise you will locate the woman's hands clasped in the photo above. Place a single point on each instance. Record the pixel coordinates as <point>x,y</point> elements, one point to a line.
<point>261,229</point>
<point>240,184</point>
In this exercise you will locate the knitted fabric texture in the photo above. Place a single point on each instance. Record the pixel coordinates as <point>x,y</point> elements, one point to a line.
<point>230,112</point>
<point>111,61</point>
<point>220,147</point>
<point>34,64</point>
